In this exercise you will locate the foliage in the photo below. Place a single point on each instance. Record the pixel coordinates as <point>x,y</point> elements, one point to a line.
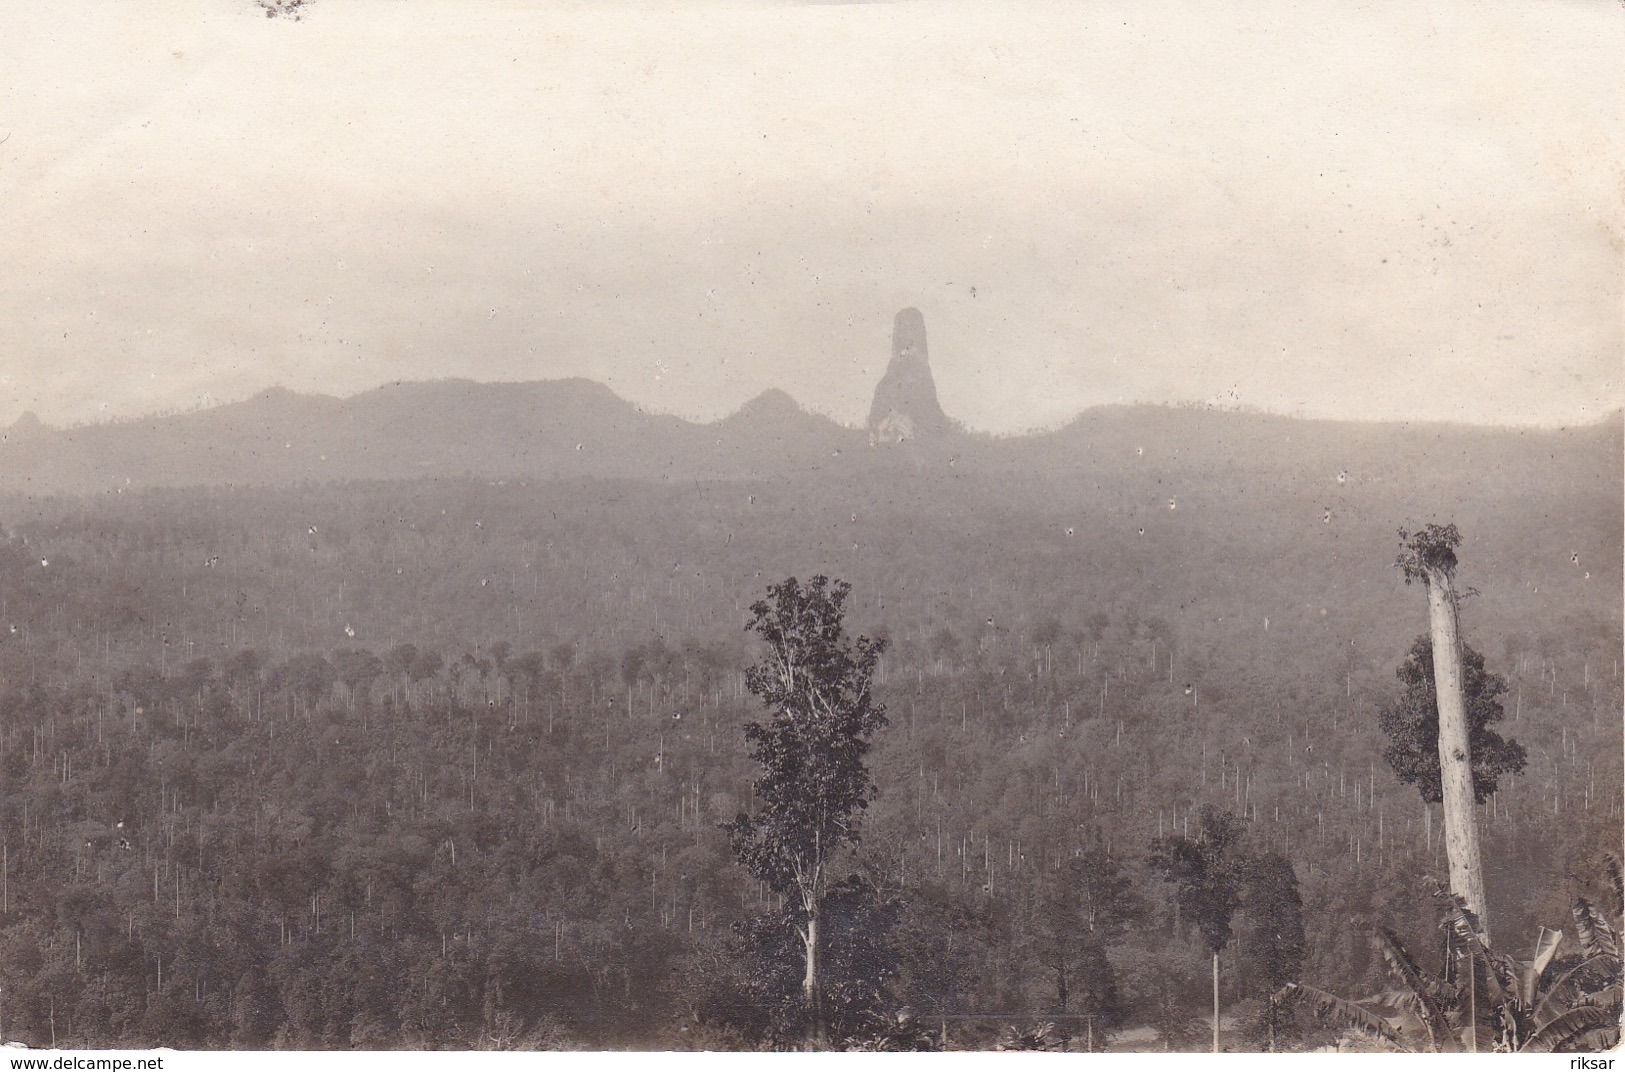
<point>1429,550</point>
<point>896,1032</point>
<point>1431,1009</point>
<point>758,991</point>
<point>1208,873</point>
<point>1274,943</point>
<point>1039,1036</point>
<point>1165,982</point>
<point>814,783</point>
<point>1411,723</point>
<point>860,959</point>
<point>1549,1002</point>
<point>950,946</point>
<point>542,843</point>
<point>1087,907</point>
<point>1336,1010</point>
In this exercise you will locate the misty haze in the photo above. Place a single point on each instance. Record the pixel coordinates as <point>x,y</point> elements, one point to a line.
<point>810,527</point>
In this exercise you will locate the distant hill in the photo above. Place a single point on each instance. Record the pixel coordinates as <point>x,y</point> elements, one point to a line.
<point>574,429</point>
<point>563,428</point>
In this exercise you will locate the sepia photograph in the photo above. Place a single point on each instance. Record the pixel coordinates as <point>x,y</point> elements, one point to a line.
<point>797,526</point>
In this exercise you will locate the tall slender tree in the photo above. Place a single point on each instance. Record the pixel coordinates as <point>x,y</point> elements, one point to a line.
<point>1208,873</point>
<point>1429,556</point>
<point>816,685</point>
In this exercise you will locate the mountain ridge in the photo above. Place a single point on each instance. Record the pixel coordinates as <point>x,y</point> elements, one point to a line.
<point>30,421</point>
<point>579,428</point>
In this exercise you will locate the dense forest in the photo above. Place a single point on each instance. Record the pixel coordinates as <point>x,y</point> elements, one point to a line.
<point>446,763</point>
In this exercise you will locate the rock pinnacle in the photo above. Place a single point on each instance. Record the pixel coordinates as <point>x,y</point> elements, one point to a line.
<point>905,405</point>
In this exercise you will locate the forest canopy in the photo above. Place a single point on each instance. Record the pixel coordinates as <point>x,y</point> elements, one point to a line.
<point>445,764</point>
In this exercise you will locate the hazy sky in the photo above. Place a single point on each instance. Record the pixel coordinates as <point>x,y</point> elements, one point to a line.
<point>1391,209</point>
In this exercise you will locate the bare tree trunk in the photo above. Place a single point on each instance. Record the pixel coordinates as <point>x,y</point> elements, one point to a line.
<point>1455,757</point>
<point>1215,1001</point>
<point>811,992</point>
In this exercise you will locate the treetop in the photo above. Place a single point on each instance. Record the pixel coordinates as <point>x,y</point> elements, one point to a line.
<point>1431,549</point>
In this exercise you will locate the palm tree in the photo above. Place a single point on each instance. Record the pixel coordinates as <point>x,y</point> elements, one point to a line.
<point>898,1032</point>
<point>1037,1037</point>
<point>1208,873</point>
<point>1547,1003</point>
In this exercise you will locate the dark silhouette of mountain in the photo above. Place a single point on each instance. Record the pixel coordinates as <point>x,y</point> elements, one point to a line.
<point>905,405</point>
<point>772,432</point>
<point>577,429</point>
<point>25,427</point>
<point>544,430</point>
